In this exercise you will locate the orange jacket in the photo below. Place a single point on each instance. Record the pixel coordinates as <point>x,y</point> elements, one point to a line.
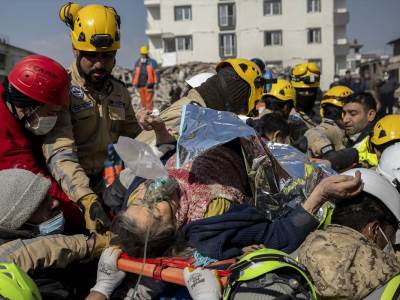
<point>150,70</point>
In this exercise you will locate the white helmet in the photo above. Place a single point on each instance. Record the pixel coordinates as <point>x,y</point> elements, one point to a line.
<point>199,79</point>
<point>378,186</point>
<point>389,165</point>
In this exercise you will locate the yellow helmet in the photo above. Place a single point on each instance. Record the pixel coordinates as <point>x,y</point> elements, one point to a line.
<point>94,27</point>
<point>283,90</point>
<point>334,96</point>
<point>306,75</point>
<point>249,72</point>
<point>144,50</point>
<point>386,130</point>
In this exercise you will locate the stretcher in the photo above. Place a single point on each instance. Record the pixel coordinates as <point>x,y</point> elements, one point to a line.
<point>170,269</point>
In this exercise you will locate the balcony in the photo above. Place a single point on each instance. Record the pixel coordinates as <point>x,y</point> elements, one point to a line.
<point>153,27</point>
<point>341,47</point>
<point>152,2</point>
<point>341,16</point>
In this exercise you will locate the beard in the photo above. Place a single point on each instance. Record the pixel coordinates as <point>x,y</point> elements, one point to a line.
<point>97,77</point>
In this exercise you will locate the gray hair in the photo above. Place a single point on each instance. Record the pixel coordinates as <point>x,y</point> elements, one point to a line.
<point>131,238</point>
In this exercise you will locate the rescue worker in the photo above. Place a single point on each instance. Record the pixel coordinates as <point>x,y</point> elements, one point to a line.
<point>281,98</point>
<point>30,98</point>
<point>331,125</point>
<point>268,274</point>
<point>386,133</point>
<point>354,256</point>
<point>359,117</point>
<point>99,111</point>
<point>271,128</point>
<point>31,225</point>
<point>146,78</point>
<point>305,79</point>
<point>236,87</point>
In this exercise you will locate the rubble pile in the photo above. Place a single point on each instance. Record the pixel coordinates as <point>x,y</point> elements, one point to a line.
<point>178,73</point>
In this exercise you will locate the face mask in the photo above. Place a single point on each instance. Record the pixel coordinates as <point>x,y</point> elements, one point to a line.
<point>389,247</point>
<point>44,124</point>
<point>53,226</point>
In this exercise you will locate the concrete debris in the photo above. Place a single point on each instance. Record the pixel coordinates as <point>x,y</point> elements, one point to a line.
<point>178,73</point>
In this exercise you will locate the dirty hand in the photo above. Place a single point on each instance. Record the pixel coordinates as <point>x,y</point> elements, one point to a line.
<point>333,187</point>
<point>203,284</point>
<point>108,275</point>
<point>149,122</point>
<point>95,218</point>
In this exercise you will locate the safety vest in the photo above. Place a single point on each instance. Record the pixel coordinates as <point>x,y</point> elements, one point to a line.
<point>364,154</point>
<point>151,73</point>
<point>390,291</point>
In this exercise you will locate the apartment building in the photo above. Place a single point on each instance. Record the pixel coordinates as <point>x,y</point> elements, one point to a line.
<point>9,56</point>
<point>281,32</point>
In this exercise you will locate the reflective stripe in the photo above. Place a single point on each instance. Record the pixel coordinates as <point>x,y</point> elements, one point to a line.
<point>390,291</point>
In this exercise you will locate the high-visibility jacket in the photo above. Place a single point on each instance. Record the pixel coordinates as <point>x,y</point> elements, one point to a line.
<point>151,73</point>
<point>364,153</point>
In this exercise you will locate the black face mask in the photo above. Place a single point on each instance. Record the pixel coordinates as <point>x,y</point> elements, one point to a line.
<point>306,103</point>
<point>235,91</point>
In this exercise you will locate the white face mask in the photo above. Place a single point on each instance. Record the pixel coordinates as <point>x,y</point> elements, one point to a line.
<point>389,247</point>
<point>44,124</point>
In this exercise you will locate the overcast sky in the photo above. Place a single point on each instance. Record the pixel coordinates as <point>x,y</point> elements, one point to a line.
<point>34,25</point>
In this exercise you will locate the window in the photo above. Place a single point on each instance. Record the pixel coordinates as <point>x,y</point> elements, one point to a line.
<point>2,61</point>
<point>273,38</point>
<point>314,35</point>
<point>313,6</point>
<point>226,15</point>
<point>184,43</point>
<point>227,45</point>
<point>169,45</point>
<point>183,13</point>
<point>272,7</point>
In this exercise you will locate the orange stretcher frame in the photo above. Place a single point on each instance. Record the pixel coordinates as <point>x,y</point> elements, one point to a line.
<point>169,269</point>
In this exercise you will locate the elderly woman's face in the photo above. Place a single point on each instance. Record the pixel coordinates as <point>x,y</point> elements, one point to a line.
<point>163,214</point>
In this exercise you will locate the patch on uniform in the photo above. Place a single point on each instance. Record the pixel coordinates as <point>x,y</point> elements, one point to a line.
<point>117,103</point>
<point>76,91</point>
<point>326,149</point>
<point>81,107</point>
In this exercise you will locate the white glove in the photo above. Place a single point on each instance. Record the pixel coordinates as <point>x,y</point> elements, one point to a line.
<point>202,284</point>
<point>108,275</point>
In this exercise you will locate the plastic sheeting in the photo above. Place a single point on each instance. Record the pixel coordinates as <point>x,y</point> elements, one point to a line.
<point>140,158</point>
<point>279,175</point>
<point>203,128</point>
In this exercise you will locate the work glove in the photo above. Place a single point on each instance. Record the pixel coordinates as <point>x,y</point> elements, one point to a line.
<point>108,275</point>
<point>203,284</point>
<point>95,217</point>
<point>101,242</point>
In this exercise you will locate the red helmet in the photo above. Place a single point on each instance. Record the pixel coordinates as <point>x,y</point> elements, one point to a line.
<point>42,79</point>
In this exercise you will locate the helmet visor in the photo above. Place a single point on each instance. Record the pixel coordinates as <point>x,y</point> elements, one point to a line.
<point>301,70</point>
